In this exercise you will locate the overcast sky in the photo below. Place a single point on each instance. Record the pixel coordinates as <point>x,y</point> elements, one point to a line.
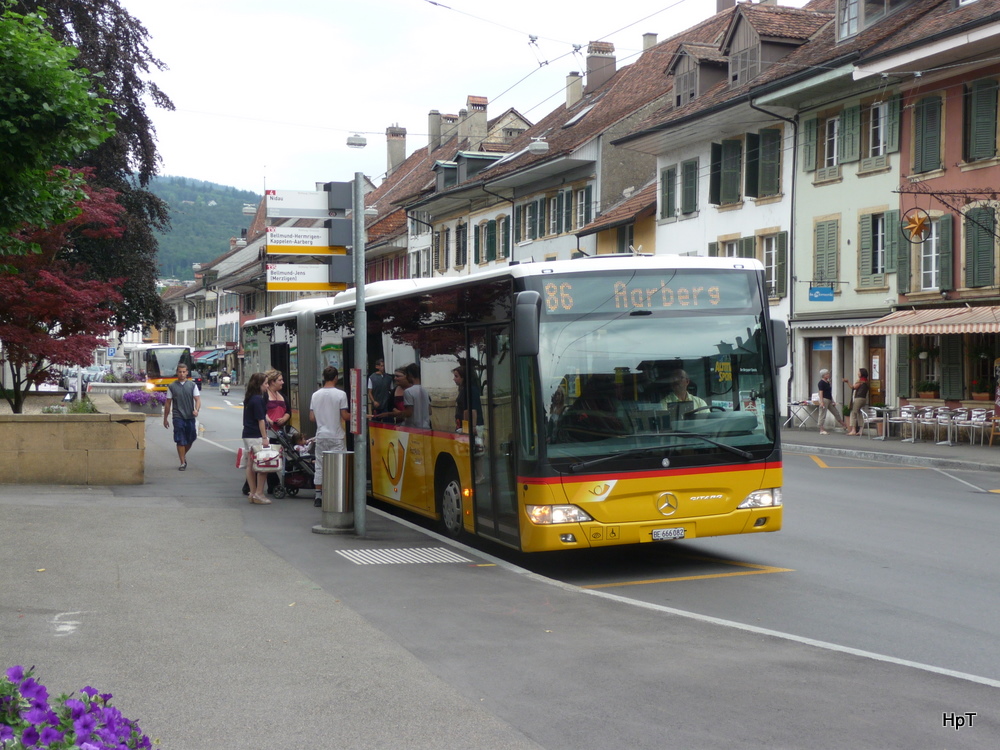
<point>267,92</point>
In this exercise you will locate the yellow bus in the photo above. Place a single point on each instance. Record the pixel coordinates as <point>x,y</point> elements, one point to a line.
<point>158,363</point>
<point>600,401</point>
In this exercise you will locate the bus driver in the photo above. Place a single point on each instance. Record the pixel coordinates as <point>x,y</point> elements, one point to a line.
<point>679,401</point>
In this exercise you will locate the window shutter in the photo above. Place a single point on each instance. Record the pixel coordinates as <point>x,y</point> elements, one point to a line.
<point>979,241</point>
<point>437,250</point>
<point>715,175</point>
<point>903,365</point>
<point>503,228</point>
<point>892,125</point>
<point>559,214</point>
<point>951,367</point>
<point>689,187</point>
<point>809,128</point>
<point>518,212</point>
<point>751,176</point>
<point>588,207</point>
<point>781,264</point>
<point>865,249</point>
<point>568,211</point>
<point>770,162</point>
<point>927,134</point>
<point>945,253</point>
<point>447,249</point>
<point>732,157</point>
<point>475,243</point>
<point>713,249</point>
<point>541,227</point>
<point>668,193</point>
<point>849,147</point>
<point>982,120</point>
<point>904,248</point>
<point>491,240</point>
<point>892,239</point>
<point>826,252</point>
<point>748,247</point>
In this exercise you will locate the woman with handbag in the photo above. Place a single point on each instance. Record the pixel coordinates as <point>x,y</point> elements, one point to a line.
<point>255,437</point>
<point>278,414</point>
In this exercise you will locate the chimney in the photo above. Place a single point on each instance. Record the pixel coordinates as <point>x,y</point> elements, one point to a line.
<point>600,64</point>
<point>476,121</point>
<point>463,126</point>
<point>449,126</point>
<point>395,139</point>
<point>721,5</point>
<point>648,40</point>
<point>433,130</point>
<point>574,89</point>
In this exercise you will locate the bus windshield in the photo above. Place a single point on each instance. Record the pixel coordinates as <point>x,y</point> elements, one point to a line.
<point>655,366</point>
<point>162,362</point>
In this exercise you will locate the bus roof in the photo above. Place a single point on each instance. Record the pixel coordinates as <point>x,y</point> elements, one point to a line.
<point>609,263</point>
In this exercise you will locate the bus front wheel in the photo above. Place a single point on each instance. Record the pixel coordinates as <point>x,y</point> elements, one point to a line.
<point>450,505</point>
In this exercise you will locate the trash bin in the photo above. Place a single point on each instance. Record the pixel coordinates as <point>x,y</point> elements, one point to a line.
<point>338,497</point>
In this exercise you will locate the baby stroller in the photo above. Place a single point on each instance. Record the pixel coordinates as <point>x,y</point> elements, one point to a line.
<point>300,468</point>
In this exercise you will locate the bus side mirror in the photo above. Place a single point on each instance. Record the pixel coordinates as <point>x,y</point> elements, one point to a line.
<point>779,340</point>
<point>527,313</point>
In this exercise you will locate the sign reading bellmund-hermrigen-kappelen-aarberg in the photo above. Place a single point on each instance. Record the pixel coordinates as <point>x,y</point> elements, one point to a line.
<point>294,277</point>
<point>301,204</point>
<point>287,240</point>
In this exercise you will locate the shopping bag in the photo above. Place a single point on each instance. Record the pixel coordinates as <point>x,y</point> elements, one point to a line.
<point>267,460</point>
<point>239,458</point>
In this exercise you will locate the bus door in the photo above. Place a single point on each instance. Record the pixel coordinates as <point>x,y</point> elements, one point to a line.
<point>494,470</point>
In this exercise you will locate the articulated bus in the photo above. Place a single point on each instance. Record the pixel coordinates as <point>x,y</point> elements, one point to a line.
<point>159,362</point>
<point>607,400</point>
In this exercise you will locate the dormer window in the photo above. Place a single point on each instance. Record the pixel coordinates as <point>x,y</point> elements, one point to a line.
<point>854,16</point>
<point>744,65</point>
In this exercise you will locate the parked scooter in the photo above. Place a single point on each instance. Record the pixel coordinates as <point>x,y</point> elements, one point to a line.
<point>224,386</point>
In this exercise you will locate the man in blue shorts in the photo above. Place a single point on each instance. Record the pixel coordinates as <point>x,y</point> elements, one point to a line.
<point>185,399</point>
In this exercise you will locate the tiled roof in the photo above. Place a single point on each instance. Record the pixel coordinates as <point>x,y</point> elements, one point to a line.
<point>628,210</point>
<point>945,18</point>
<point>175,292</point>
<point>777,22</point>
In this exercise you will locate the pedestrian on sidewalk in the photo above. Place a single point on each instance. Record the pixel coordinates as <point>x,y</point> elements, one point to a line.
<point>826,403</point>
<point>859,401</point>
<point>380,385</point>
<point>255,437</point>
<point>184,398</point>
<point>328,409</point>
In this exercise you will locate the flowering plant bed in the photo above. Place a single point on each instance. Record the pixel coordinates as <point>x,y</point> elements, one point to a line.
<point>89,722</point>
<point>145,398</point>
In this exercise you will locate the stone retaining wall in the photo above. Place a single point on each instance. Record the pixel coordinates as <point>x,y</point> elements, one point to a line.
<point>100,449</point>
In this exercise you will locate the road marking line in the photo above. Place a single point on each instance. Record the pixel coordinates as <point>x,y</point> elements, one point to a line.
<point>823,465</point>
<point>757,570</point>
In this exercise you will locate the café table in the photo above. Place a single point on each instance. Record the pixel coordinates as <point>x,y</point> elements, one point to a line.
<point>806,412</point>
<point>886,413</point>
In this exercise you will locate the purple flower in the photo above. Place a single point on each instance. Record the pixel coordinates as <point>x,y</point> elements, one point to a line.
<point>33,690</point>
<point>50,735</point>
<point>6,733</point>
<point>85,725</point>
<point>15,674</point>
<point>76,708</point>
<point>29,736</point>
<point>37,715</point>
<point>89,691</point>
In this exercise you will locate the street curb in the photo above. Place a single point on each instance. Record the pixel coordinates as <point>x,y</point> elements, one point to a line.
<point>889,458</point>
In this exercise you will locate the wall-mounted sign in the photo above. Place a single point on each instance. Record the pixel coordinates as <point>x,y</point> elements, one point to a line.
<point>821,294</point>
<point>292,277</point>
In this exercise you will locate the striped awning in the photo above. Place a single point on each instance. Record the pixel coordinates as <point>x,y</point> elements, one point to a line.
<point>941,321</point>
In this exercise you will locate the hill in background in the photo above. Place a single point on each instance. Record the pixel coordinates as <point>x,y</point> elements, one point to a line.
<point>203,217</point>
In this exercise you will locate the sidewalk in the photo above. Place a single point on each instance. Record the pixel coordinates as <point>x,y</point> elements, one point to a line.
<point>893,450</point>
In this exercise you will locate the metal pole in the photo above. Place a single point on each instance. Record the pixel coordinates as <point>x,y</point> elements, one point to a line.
<point>360,355</point>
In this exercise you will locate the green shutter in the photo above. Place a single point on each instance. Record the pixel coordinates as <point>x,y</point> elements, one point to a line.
<point>748,247</point>
<point>865,251</point>
<point>892,125</point>
<point>893,235</point>
<point>478,250</point>
<point>588,207</point>
<point>518,212</point>
<point>827,243</point>
<point>809,128</point>
<point>732,167</point>
<point>849,135</point>
<point>945,262</point>
<point>751,175</point>
<point>903,366</point>
<point>927,134</point>
<point>541,224</point>
<point>713,249</point>
<point>503,228</point>
<point>951,367</point>
<point>568,211</point>
<point>781,264</point>
<point>904,248</point>
<point>979,242</point>
<point>982,113</point>
<point>559,213</point>
<point>491,240</point>
<point>770,162</point>
<point>689,187</point>
<point>715,175</point>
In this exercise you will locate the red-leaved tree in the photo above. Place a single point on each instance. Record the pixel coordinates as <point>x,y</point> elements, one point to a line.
<point>52,314</point>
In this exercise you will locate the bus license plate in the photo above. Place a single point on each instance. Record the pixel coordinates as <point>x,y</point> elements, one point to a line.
<point>662,535</point>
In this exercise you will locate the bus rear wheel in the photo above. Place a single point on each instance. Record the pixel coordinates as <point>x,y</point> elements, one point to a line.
<point>450,505</point>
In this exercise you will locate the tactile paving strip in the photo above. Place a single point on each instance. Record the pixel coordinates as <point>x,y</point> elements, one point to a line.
<point>406,556</point>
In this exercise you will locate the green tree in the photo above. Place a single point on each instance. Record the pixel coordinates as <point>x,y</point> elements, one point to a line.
<point>113,48</point>
<point>48,116</point>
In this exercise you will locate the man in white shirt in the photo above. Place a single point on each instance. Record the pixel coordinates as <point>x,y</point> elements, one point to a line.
<point>328,410</point>
<point>678,401</point>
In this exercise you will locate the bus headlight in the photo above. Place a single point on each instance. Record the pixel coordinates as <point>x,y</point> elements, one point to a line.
<point>546,514</point>
<point>763,499</point>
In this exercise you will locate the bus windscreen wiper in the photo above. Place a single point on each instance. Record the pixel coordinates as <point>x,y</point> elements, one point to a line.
<point>573,468</point>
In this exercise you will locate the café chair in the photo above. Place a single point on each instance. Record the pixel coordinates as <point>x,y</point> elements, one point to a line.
<point>904,419</point>
<point>870,419</point>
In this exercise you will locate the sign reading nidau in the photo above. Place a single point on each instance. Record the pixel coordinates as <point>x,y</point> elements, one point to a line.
<point>297,204</point>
